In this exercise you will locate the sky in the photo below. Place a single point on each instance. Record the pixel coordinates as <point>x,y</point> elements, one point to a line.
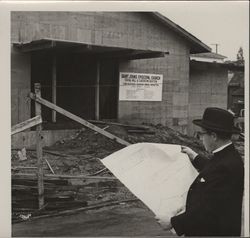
<point>223,23</point>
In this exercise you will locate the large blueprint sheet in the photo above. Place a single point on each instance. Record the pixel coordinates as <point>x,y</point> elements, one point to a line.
<point>158,174</point>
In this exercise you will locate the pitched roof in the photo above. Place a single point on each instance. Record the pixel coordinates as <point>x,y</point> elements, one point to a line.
<point>196,45</point>
<point>209,55</point>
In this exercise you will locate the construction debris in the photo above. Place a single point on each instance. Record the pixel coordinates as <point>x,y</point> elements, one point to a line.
<point>49,166</point>
<point>80,180</point>
<point>22,154</point>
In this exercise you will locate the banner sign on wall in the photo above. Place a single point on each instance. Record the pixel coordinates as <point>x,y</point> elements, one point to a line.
<point>140,87</point>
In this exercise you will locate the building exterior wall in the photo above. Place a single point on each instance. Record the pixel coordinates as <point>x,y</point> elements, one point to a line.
<point>207,88</point>
<point>120,29</point>
<point>173,109</point>
<point>129,30</point>
<point>20,86</point>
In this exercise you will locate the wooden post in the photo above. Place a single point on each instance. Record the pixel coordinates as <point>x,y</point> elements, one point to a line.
<point>54,88</point>
<point>97,91</point>
<point>39,150</point>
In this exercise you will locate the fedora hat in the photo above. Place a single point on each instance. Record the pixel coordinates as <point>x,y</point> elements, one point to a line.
<point>218,120</point>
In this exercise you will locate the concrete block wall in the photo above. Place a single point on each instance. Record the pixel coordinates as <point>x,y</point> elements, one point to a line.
<point>20,87</point>
<point>208,88</point>
<point>173,109</point>
<point>120,29</point>
<point>128,30</point>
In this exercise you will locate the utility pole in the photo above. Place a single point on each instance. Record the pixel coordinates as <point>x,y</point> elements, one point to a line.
<point>216,47</point>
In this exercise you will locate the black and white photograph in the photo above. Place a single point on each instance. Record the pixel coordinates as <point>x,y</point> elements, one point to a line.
<point>124,119</point>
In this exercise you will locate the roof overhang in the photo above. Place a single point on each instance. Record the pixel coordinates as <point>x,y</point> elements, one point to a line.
<point>101,52</point>
<point>196,46</point>
<point>201,64</point>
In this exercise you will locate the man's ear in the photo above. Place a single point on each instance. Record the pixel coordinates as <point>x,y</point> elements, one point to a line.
<point>214,136</point>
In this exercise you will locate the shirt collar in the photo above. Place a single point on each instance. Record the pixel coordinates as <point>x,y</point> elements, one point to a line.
<point>222,147</point>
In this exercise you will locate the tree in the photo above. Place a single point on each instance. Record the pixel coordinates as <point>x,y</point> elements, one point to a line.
<point>240,57</point>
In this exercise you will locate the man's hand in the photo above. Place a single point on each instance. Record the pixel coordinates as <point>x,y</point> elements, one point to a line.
<point>164,222</point>
<point>180,210</point>
<point>191,154</point>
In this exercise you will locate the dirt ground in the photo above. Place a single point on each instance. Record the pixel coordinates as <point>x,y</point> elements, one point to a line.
<point>80,155</point>
<point>122,220</point>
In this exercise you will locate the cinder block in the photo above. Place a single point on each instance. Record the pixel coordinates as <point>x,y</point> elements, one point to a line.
<point>180,113</point>
<point>45,30</point>
<point>58,32</point>
<point>83,35</point>
<point>180,98</point>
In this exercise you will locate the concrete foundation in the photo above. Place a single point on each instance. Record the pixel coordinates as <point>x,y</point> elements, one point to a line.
<point>28,139</point>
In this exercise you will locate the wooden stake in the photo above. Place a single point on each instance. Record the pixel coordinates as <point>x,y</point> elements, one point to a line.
<point>39,150</point>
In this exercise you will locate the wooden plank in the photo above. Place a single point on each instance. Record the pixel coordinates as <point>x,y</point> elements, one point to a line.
<point>55,153</point>
<point>141,132</point>
<point>23,167</point>
<point>48,152</point>
<point>54,88</point>
<point>26,124</point>
<point>137,127</point>
<point>39,150</point>
<point>50,166</point>
<point>78,119</point>
<point>57,176</point>
<point>98,172</point>
<point>97,92</point>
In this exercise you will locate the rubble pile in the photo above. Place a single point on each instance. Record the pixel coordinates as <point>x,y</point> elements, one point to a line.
<point>88,142</point>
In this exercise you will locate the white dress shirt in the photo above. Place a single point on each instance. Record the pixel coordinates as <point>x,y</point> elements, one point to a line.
<point>222,147</point>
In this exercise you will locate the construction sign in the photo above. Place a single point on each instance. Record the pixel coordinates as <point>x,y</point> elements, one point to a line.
<point>140,87</point>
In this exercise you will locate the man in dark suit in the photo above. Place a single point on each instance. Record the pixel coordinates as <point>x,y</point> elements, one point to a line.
<point>214,200</point>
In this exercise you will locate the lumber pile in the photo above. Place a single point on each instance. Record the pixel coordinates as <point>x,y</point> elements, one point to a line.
<point>137,129</point>
<point>59,195</point>
<point>62,193</point>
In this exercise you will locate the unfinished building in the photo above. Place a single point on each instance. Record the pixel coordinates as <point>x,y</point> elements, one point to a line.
<point>131,67</point>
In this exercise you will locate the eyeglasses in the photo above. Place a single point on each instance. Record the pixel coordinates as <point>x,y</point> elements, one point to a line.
<point>200,134</point>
